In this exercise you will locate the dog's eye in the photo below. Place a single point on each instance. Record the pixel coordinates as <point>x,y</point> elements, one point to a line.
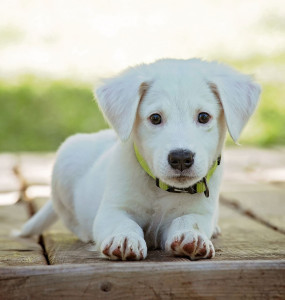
<point>204,117</point>
<point>155,119</point>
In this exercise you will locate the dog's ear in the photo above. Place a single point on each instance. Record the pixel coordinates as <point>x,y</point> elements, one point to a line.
<point>119,98</point>
<point>238,95</point>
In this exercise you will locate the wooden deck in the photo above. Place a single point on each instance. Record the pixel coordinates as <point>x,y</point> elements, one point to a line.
<point>250,253</point>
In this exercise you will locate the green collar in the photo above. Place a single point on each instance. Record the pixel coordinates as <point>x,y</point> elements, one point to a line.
<point>199,187</point>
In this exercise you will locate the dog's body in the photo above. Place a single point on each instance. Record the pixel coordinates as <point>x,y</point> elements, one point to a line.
<point>101,191</point>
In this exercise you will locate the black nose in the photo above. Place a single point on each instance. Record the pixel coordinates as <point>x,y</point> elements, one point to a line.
<point>181,159</point>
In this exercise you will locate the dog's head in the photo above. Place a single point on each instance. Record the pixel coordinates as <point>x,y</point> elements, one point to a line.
<point>177,112</point>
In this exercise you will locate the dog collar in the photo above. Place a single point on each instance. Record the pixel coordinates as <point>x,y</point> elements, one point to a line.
<point>199,187</point>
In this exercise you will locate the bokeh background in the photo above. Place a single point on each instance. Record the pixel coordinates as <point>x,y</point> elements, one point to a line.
<point>53,52</point>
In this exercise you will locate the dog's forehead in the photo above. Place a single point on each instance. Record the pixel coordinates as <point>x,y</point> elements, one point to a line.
<point>183,90</point>
<point>180,84</point>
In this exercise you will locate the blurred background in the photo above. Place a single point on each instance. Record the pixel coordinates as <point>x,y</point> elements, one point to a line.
<point>53,52</point>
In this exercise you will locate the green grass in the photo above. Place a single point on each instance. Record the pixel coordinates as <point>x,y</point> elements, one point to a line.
<point>37,115</point>
<point>267,127</point>
<point>251,63</point>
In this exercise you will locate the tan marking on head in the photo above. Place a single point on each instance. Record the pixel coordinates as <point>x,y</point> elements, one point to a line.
<point>142,92</point>
<point>143,89</point>
<point>214,90</point>
<point>222,127</point>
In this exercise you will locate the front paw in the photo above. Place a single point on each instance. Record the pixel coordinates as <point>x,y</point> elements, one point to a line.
<point>124,247</point>
<point>192,244</point>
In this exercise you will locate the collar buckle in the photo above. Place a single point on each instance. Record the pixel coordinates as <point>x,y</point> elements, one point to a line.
<point>206,192</point>
<point>171,189</point>
<point>189,190</point>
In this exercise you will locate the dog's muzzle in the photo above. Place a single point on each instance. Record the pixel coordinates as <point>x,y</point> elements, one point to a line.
<point>199,187</point>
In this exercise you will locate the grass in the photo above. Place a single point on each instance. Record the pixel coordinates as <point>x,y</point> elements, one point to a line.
<point>251,63</point>
<point>37,115</point>
<point>267,127</point>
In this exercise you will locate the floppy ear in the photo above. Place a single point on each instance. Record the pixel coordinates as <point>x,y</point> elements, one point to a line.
<point>239,96</point>
<point>119,98</point>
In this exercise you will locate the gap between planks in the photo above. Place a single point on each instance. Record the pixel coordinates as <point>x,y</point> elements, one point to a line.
<point>234,205</point>
<point>29,205</point>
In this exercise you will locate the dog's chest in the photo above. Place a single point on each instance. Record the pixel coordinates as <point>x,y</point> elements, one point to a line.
<point>163,211</point>
<point>153,230</point>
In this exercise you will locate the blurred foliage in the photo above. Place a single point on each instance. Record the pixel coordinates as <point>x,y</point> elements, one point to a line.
<point>38,115</point>
<point>10,35</point>
<point>267,126</point>
<point>251,63</point>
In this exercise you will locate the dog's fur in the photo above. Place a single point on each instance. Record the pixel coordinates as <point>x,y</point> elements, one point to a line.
<point>102,193</point>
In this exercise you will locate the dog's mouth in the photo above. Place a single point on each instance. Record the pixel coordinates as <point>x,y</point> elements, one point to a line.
<point>182,180</point>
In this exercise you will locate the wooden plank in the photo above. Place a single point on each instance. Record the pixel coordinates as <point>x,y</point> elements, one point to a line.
<point>65,248</point>
<point>36,168</point>
<point>247,165</point>
<point>8,180</point>
<point>16,251</point>
<point>264,202</point>
<point>147,280</point>
<point>242,239</point>
<point>9,198</point>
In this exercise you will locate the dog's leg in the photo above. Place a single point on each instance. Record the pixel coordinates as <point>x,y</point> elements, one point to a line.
<point>119,237</point>
<point>190,235</point>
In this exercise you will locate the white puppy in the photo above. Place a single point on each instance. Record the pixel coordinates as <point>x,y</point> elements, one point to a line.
<point>157,185</point>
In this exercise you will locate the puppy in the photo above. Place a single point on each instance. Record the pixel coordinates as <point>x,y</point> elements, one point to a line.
<point>153,180</point>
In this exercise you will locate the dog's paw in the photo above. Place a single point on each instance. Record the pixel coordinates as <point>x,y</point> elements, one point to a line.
<point>124,247</point>
<point>192,244</point>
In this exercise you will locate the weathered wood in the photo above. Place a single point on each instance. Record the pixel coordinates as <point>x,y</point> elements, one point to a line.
<point>147,280</point>
<point>242,239</point>
<point>16,251</point>
<point>8,180</point>
<point>36,168</point>
<point>264,202</point>
<point>245,239</point>
<point>9,198</point>
<point>252,165</point>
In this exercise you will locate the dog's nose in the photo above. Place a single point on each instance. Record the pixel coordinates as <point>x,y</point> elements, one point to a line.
<point>181,159</point>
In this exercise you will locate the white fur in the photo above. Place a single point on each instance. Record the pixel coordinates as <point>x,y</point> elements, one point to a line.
<point>101,192</point>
